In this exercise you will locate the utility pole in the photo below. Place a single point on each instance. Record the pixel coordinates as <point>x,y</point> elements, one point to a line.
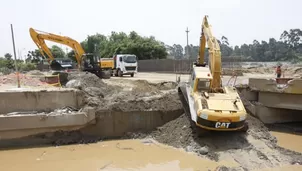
<point>187,31</point>
<point>16,67</point>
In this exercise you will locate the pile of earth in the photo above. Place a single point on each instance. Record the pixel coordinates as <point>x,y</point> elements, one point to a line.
<point>256,149</point>
<point>125,95</point>
<point>25,80</point>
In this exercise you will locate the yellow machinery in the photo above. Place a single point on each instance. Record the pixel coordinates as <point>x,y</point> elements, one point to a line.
<point>107,63</point>
<point>84,62</point>
<point>212,106</point>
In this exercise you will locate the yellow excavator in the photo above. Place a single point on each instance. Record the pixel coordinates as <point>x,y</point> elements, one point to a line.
<point>85,62</point>
<point>212,106</point>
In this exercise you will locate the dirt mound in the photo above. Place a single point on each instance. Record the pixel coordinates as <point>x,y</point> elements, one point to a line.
<point>255,149</point>
<point>125,95</point>
<point>25,80</point>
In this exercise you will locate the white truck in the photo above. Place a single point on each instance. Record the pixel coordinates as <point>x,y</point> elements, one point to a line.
<point>124,64</point>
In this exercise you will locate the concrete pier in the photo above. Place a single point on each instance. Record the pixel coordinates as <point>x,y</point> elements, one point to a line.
<point>274,100</point>
<point>27,113</point>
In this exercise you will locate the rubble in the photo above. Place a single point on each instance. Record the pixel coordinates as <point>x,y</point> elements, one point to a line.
<point>25,80</point>
<point>125,95</point>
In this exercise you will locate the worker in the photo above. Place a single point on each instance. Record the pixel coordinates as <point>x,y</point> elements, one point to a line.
<point>278,71</point>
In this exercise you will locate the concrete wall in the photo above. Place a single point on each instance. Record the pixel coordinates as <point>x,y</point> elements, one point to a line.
<point>281,100</point>
<point>168,65</point>
<point>38,100</point>
<point>115,124</point>
<point>272,107</point>
<point>17,126</point>
<point>270,85</point>
<point>270,115</point>
<point>171,65</point>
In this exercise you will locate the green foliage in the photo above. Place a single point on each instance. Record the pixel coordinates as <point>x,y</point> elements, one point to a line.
<point>34,56</point>
<point>26,66</point>
<point>9,61</point>
<point>289,48</point>
<point>7,64</point>
<point>142,47</point>
<point>57,52</point>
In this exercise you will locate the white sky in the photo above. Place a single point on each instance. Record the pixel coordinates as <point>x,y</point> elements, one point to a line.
<point>241,21</point>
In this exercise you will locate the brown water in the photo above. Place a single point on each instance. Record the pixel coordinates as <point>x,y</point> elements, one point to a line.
<point>109,155</point>
<point>289,141</point>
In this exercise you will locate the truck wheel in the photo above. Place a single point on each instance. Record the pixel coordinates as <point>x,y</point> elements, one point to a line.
<point>132,75</point>
<point>119,73</point>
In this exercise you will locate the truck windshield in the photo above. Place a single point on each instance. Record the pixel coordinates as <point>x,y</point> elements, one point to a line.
<point>130,59</point>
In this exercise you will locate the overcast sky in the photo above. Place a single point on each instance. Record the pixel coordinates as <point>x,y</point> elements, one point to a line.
<point>241,21</point>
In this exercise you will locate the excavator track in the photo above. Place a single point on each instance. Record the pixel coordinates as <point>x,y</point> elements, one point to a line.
<point>182,92</point>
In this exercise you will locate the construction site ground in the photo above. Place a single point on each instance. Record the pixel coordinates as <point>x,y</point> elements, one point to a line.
<point>171,146</point>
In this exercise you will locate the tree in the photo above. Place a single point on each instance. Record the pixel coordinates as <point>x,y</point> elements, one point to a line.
<point>177,51</point>
<point>142,47</point>
<point>225,40</point>
<point>9,61</point>
<point>193,51</point>
<point>34,56</point>
<point>226,51</point>
<point>57,52</point>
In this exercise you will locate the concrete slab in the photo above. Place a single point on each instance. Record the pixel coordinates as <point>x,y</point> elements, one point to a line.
<point>281,100</point>
<point>36,121</point>
<point>271,85</point>
<point>272,115</point>
<point>116,124</point>
<point>39,100</point>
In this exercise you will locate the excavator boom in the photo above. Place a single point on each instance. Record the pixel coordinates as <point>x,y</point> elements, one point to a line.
<point>214,53</point>
<point>39,38</point>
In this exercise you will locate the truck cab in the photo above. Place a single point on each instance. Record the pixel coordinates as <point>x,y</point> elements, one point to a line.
<point>125,64</point>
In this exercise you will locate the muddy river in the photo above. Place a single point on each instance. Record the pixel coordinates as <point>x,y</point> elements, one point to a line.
<point>145,155</point>
<point>132,155</point>
<point>290,141</point>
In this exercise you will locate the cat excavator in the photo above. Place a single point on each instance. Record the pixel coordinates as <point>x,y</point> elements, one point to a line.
<point>85,62</point>
<point>210,105</point>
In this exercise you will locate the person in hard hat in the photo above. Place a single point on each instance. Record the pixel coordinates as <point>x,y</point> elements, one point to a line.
<point>278,71</point>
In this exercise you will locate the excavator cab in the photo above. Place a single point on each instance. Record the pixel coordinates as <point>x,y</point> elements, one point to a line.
<point>91,63</point>
<point>203,85</point>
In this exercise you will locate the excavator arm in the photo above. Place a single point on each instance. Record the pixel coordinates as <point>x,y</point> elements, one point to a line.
<point>214,53</point>
<point>39,38</point>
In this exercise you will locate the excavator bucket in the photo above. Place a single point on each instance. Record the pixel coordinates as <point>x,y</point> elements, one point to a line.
<point>56,66</point>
